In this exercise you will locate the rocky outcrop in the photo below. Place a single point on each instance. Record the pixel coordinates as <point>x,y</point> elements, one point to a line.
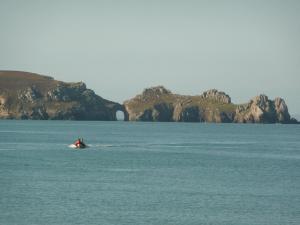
<point>260,109</point>
<point>32,96</point>
<point>66,93</point>
<point>159,110</point>
<point>183,113</point>
<point>217,96</point>
<point>160,104</point>
<point>282,112</point>
<point>150,93</point>
<point>3,109</point>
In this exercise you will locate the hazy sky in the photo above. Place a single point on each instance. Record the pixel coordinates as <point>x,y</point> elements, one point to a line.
<point>120,47</point>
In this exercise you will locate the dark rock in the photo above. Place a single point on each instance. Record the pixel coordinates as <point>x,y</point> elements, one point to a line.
<point>145,116</point>
<point>186,114</point>
<point>38,114</point>
<point>294,121</point>
<point>162,112</point>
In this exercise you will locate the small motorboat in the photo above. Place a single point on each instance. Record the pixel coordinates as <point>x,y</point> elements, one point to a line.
<point>78,144</point>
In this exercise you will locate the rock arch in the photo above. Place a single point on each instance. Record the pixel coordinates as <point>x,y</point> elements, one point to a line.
<point>117,108</point>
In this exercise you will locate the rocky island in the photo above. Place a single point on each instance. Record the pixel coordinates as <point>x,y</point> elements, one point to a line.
<point>26,95</point>
<point>160,104</point>
<point>31,96</point>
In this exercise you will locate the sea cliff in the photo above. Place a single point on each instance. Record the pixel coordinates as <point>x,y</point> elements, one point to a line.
<point>32,96</point>
<point>160,104</point>
<point>26,95</point>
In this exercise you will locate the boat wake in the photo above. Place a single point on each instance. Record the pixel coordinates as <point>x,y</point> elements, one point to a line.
<point>74,146</point>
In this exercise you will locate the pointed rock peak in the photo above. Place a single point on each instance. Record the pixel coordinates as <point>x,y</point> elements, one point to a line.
<point>280,104</point>
<point>260,98</point>
<point>282,110</point>
<point>279,101</point>
<point>262,101</point>
<point>154,91</point>
<point>217,96</point>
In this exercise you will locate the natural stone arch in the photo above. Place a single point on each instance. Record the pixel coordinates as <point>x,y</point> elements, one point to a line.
<point>119,109</point>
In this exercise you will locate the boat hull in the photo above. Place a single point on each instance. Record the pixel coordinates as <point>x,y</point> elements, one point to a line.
<point>77,146</point>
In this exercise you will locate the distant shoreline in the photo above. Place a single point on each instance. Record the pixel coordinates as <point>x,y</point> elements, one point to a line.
<point>30,96</point>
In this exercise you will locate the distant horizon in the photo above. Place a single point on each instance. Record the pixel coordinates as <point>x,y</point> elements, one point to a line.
<point>118,48</point>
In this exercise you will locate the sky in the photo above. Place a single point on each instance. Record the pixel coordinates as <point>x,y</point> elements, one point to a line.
<point>118,48</point>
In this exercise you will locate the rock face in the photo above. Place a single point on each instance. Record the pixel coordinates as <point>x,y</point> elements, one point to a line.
<point>186,114</point>
<point>281,109</point>
<point>217,96</point>
<point>32,96</point>
<point>262,110</point>
<point>160,104</point>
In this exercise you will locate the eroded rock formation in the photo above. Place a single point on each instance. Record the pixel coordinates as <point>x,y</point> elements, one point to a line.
<point>260,109</point>
<point>214,94</point>
<point>32,96</point>
<point>160,104</point>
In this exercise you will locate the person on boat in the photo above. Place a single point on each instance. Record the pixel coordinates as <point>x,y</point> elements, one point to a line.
<point>82,143</point>
<point>79,143</point>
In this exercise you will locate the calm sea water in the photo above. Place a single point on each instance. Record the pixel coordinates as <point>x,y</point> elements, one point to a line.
<point>149,173</point>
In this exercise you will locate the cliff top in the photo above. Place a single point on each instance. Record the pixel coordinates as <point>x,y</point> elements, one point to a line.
<point>159,94</point>
<point>11,81</point>
<point>33,96</point>
<point>16,80</point>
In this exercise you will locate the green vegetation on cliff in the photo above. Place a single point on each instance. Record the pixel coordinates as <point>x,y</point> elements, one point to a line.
<point>26,95</point>
<point>160,104</point>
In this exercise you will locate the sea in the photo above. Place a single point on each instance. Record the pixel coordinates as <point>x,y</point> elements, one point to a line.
<point>145,173</point>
